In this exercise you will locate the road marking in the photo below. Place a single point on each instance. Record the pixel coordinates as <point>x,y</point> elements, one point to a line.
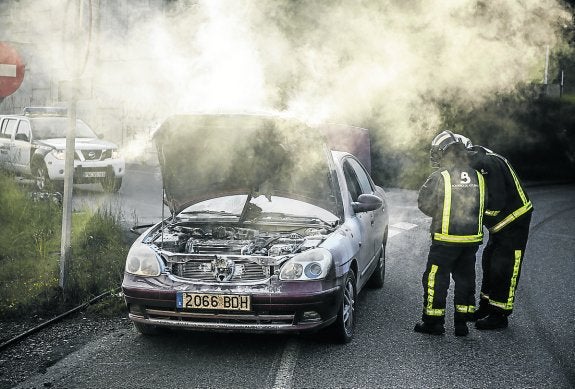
<point>398,228</point>
<point>284,376</point>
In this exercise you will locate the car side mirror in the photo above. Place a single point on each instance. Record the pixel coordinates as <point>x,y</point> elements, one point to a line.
<point>22,137</point>
<point>366,203</point>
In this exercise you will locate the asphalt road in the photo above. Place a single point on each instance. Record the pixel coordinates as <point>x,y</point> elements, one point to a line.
<point>537,350</point>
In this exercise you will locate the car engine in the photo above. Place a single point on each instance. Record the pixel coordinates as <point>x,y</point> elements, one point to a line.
<point>224,253</point>
<point>220,239</point>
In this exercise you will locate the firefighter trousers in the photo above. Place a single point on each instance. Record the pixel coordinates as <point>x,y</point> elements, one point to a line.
<point>502,260</point>
<point>443,262</point>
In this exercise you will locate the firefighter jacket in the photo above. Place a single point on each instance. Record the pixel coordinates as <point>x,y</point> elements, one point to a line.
<point>507,199</point>
<point>454,197</point>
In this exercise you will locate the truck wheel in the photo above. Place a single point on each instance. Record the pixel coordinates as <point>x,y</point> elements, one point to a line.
<point>41,178</point>
<point>111,184</point>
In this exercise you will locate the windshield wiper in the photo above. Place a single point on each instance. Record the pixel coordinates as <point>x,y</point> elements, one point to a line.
<point>282,216</point>
<point>209,212</point>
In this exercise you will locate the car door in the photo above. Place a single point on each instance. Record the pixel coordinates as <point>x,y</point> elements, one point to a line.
<point>364,219</point>
<point>21,147</point>
<point>7,130</point>
<point>375,230</point>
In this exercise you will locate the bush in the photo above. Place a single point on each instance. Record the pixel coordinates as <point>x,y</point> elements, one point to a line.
<point>30,234</point>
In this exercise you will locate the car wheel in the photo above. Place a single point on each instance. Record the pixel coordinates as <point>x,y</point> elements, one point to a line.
<point>378,277</point>
<point>344,326</point>
<point>111,184</point>
<point>42,179</point>
<point>146,329</point>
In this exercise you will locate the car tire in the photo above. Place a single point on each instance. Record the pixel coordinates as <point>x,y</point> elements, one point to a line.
<point>344,327</point>
<point>146,329</point>
<point>377,279</point>
<point>111,184</point>
<point>42,180</point>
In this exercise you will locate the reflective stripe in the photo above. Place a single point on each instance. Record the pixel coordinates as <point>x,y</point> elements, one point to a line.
<point>446,203</point>
<point>513,285</point>
<point>437,142</point>
<point>481,182</point>
<point>514,215</point>
<point>444,236</point>
<point>465,308</point>
<point>521,210</point>
<point>491,213</point>
<point>517,184</point>
<point>458,238</point>
<point>431,293</point>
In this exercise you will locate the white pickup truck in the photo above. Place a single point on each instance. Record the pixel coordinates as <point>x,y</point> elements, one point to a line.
<point>34,144</point>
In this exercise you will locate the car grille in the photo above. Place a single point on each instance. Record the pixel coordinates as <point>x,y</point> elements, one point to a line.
<point>91,155</point>
<point>202,270</point>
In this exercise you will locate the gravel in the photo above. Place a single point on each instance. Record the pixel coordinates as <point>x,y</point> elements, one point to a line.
<point>35,353</point>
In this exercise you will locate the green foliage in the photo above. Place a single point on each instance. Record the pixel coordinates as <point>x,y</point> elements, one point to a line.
<point>29,254</point>
<point>98,255</point>
<point>29,243</point>
<point>536,133</point>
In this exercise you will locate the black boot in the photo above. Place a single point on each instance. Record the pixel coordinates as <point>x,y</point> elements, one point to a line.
<point>461,328</point>
<point>494,321</point>
<point>482,311</point>
<point>431,329</point>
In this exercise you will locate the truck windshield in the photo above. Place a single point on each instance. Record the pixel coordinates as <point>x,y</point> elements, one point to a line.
<point>57,127</point>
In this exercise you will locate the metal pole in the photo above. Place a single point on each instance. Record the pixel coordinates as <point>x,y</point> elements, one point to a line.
<point>65,245</point>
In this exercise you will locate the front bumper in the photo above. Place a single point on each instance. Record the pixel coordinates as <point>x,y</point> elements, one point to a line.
<point>276,307</point>
<point>111,167</point>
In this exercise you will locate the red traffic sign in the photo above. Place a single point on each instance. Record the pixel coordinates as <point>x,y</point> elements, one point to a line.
<point>11,70</point>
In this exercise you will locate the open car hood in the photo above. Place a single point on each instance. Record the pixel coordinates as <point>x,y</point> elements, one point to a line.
<point>209,156</point>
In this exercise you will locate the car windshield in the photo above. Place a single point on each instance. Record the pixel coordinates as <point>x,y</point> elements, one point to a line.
<point>271,208</point>
<point>57,127</point>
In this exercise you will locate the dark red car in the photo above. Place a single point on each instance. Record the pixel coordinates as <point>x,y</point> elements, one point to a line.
<point>271,230</point>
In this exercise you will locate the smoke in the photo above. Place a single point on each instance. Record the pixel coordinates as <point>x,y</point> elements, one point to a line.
<point>385,63</point>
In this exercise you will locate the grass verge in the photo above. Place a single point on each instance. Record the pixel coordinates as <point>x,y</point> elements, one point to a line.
<point>30,233</point>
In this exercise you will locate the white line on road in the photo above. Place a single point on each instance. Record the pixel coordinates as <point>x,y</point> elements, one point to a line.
<point>284,376</point>
<point>398,228</point>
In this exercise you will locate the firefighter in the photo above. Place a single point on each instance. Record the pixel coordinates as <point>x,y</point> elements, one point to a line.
<point>454,197</point>
<point>507,218</point>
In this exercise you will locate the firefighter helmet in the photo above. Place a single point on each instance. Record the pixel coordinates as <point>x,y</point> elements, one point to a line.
<point>438,146</point>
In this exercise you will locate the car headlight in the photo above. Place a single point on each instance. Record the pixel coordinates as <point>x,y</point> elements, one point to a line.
<point>142,261</point>
<point>313,264</point>
<point>115,154</point>
<point>59,154</point>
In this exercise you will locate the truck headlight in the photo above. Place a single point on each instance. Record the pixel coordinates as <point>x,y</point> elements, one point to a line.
<point>115,154</point>
<point>142,261</point>
<point>59,154</point>
<point>313,264</point>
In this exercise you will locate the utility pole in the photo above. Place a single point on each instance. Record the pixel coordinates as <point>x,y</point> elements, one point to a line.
<point>65,244</point>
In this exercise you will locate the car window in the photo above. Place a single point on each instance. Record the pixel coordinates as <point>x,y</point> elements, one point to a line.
<point>57,127</point>
<point>352,183</point>
<point>8,127</point>
<point>24,128</point>
<point>361,175</point>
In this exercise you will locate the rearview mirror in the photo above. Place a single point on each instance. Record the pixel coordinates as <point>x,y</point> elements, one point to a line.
<point>367,202</point>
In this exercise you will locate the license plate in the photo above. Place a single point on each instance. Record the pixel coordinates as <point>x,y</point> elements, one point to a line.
<point>94,174</point>
<point>232,302</point>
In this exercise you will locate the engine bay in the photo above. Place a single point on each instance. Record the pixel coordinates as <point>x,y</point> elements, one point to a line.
<point>232,240</point>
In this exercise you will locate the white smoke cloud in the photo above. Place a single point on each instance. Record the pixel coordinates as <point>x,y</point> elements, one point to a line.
<point>381,62</point>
